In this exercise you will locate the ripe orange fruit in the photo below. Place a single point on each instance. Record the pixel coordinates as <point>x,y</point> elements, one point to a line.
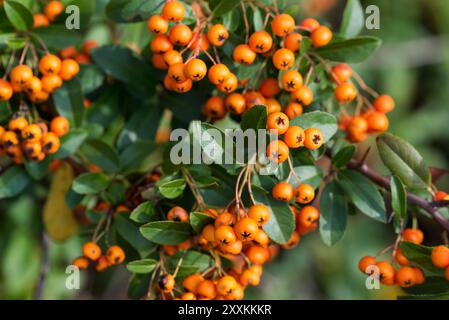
<point>303,95</point>
<point>17,123</point>
<point>321,36</point>
<point>243,54</point>
<point>400,258</point>
<point>254,98</point>
<point>261,238</point>
<point>386,272</point>
<point>420,278</point>
<point>173,11</point>
<point>166,282</point>
<point>229,85</point>
<point>50,143</point>
<point>171,57</point>
<point>293,110</point>
<point>81,262</point>
<point>176,72</point>
<point>218,73</point>
<point>53,9</point>
<point>384,103</point>
<point>21,75</point>
<point>292,242</point>
<point>199,42</point>
<point>282,24</point>
<point>310,24</point>
<point>345,92</point>
<point>232,248</point>
<point>51,82</point>
<point>40,20</point>
<point>440,257</point>
<point>308,216</point>
<point>278,122</point>
<point>272,105</point>
<point>50,64</point>
<point>192,281</point>
<point>32,148</point>
<point>235,103</point>
<point>225,235</point>
<point>180,35</point>
<point>206,289</point>
<point>69,69</point>
<point>277,151</point>
<point>405,277</point>
<point>195,69</point>
<point>260,42</point>
<point>217,35</point>
<point>188,296</point>
<point>413,235</point>
<point>249,277</point>
<point>178,214</point>
<point>157,24</point>
<point>224,219</point>
<point>32,133</point>
<point>215,108</point>
<point>283,59</point>
<point>377,122</point>
<point>294,137</point>
<point>314,138</point>
<point>259,213</point>
<point>283,191</point>
<point>342,72</point>
<point>115,255</point>
<point>269,88</point>
<point>365,262</point>
<point>34,86</point>
<point>59,126</point>
<point>304,193</point>
<point>247,228</point>
<point>226,285</point>
<point>91,250</point>
<point>257,254</point>
<point>6,90</point>
<point>157,60</point>
<point>293,42</point>
<point>291,80</point>
<point>161,44</point>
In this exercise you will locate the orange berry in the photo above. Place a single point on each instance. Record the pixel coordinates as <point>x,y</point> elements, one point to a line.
<point>384,103</point>
<point>88,45</point>
<point>257,254</point>
<point>218,73</point>
<point>345,92</point>
<point>314,138</point>
<point>225,235</point>
<point>420,278</point>
<point>6,90</point>
<point>386,272</point>
<point>50,143</point>
<point>69,52</point>
<point>246,228</point>
<point>243,54</point>
<point>188,296</point>
<point>53,9</point>
<point>303,95</point>
<point>157,24</point>
<point>161,44</point>
<point>199,42</point>
<point>166,283</point>
<point>59,126</point>
<point>310,24</point>
<point>34,86</point>
<point>254,98</point>
<point>229,85</point>
<point>195,69</point>
<point>182,87</point>
<point>102,264</point>
<point>291,80</point>
<point>232,248</point>
<point>157,60</point>
<point>283,191</point>
<point>224,219</point>
<point>50,64</point>
<point>273,105</point>
<point>400,258</point>
<point>283,59</point>
<point>292,242</point>
<point>115,255</point>
<point>321,36</point>
<point>377,122</point>
<point>440,257</point>
<point>192,281</point>
<point>413,235</point>
<point>304,193</point>
<point>81,262</point>
<point>172,57</point>
<point>176,72</point>
<point>342,72</point>
<point>293,42</point>
<point>9,139</point>
<point>32,133</point>
<point>180,35</point>
<point>69,69</point>
<point>405,277</point>
<point>249,277</point>
<point>173,11</point>
<point>278,122</point>
<point>178,214</point>
<point>92,251</point>
<point>40,20</point>
<point>226,285</point>
<point>366,262</point>
<point>215,108</point>
<point>259,213</point>
<point>260,41</point>
<point>17,123</point>
<point>217,35</point>
<point>206,289</point>
<point>269,88</point>
<point>261,238</point>
<point>294,137</point>
<point>358,124</point>
<point>446,273</point>
<point>32,149</point>
<point>293,110</point>
<point>308,216</point>
<point>277,151</point>
<point>51,82</point>
<point>21,75</point>
<point>235,103</point>
<point>282,24</point>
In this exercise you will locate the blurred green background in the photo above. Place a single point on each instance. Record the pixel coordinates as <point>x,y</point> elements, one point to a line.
<point>412,66</point>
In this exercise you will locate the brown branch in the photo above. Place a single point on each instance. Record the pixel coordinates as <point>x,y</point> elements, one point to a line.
<point>412,199</point>
<point>44,267</point>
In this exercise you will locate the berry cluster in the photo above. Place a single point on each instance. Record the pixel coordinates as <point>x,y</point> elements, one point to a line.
<point>92,253</point>
<point>33,140</point>
<point>81,56</point>
<point>51,12</point>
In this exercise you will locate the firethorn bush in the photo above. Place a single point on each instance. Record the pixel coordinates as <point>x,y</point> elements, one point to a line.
<point>85,127</point>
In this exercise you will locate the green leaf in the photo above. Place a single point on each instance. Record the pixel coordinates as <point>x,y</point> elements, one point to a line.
<point>138,285</point>
<point>137,156</point>
<point>90,183</point>
<point>281,224</point>
<point>324,121</point>
<point>398,197</point>
<point>224,6</point>
<point>198,220</point>
<point>166,232</point>
<point>37,169</point>
<point>353,19</point>
<point>125,11</point>
<point>402,159</point>
<point>308,174</point>
<point>143,213</point>
<point>353,50</point>
<point>19,16</point>
<point>130,232</point>
<point>57,36</point>
<point>68,101</point>
<point>71,142</point>
<point>101,154</point>
<point>334,209</point>
<point>255,118</point>
<point>420,255</point>
<point>363,194</point>
<point>91,78</point>
<point>141,266</point>
<point>343,156</point>
<point>192,262</point>
<point>430,289</point>
<point>13,181</point>
<point>172,189</point>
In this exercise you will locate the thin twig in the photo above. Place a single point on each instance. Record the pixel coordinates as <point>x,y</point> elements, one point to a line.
<point>44,268</point>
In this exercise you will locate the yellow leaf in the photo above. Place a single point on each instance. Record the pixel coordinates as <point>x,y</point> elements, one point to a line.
<point>58,217</point>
